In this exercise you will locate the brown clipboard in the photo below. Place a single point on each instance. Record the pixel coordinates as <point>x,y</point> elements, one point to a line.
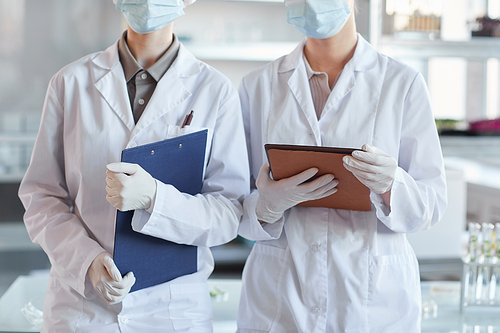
<point>288,160</point>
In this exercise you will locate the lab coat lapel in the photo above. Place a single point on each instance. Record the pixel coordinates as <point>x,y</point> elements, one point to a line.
<point>350,112</point>
<point>344,85</point>
<point>111,83</point>
<point>299,86</point>
<point>170,91</point>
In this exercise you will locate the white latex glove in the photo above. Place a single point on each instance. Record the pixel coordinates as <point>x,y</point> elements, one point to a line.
<point>277,196</point>
<point>129,186</point>
<point>107,280</point>
<point>373,168</point>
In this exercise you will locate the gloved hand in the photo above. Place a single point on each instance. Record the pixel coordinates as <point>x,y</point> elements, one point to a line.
<point>129,186</point>
<point>277,196</point>
<point>373,168</point>
<point>107,280</point>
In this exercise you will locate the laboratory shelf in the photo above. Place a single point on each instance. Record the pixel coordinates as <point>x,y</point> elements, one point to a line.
<point>479,48</point>
<point>270,1</point>
<point>17,138</point>
<point>11,177</point>
<point>261,51</point>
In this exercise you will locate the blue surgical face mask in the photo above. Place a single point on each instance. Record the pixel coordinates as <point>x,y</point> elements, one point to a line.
<point>145,16</point>
<point>318,18</point>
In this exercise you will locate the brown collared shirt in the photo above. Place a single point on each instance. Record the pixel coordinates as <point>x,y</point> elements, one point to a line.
<point>320,89</point>
<point>141,83</point>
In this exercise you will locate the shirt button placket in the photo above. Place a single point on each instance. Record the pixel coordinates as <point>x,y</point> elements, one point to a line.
<point>314,248</point>
<point>315,309</point>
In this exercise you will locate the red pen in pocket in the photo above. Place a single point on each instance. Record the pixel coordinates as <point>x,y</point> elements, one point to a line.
<point>187,120</point>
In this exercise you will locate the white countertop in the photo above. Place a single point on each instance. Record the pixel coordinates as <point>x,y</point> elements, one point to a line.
<point>32,288</point>
<point>444,295</point>
<point>475,173</point>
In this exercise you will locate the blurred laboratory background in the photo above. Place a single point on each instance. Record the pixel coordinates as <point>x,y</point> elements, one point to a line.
<point>455,44</point>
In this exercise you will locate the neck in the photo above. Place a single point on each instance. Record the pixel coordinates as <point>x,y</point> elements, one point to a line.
<point>147,49</point>
<point>330,55</point>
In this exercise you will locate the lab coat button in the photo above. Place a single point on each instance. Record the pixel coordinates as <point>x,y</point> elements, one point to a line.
<point>124,319</point>
<point>314,247</point>
<point>315,309</point>
<point>141,102</point>
<point>132,144</point>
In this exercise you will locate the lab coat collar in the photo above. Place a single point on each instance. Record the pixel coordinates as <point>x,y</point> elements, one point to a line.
<point>109,58</point>
<point>365,57</point>
<point>292,60</point>
<point>111,83</point>
<point>185,65</point>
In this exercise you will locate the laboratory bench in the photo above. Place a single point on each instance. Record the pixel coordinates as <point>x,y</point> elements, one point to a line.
<point>440,310</point>
<point>24,299</point>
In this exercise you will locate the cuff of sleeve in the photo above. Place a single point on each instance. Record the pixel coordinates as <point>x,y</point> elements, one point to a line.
<point>153,200</point>
<point>141,217</point>
<point>84,287</point>
<point>251,228</point>
<point>155,224</point>
<point>384,214</point>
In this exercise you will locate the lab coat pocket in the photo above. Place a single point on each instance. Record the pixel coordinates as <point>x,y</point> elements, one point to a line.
<point>62,308</point>
<point>190,307</point>
<point>174,131</point>
<point>394,294</point>
<point>262,286</point>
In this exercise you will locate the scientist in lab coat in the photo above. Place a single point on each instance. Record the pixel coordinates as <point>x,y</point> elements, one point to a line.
<point>136,92</point>
<point>329,270</point>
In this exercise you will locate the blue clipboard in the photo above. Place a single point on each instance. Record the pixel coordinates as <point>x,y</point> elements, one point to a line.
<point>177,161</point>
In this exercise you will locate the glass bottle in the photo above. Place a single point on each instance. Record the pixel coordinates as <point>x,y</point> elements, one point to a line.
<point>484,270</point>
<point>471,271</point>
<point>494,289</point>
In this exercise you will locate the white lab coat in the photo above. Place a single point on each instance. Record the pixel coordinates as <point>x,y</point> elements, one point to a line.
<point>86,122</point>
<point>327,270</point>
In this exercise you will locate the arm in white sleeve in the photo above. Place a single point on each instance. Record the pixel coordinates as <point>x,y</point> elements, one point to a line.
<point>250,227</point>
<point>49,218</point>
<point>212,217</point>
<point>418,195</point>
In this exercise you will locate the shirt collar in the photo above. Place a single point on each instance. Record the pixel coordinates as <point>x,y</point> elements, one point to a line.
<point>131,66</point>
<point>309,70</point>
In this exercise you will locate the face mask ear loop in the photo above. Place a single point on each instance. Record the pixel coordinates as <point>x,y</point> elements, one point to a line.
<point>352,9</point>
